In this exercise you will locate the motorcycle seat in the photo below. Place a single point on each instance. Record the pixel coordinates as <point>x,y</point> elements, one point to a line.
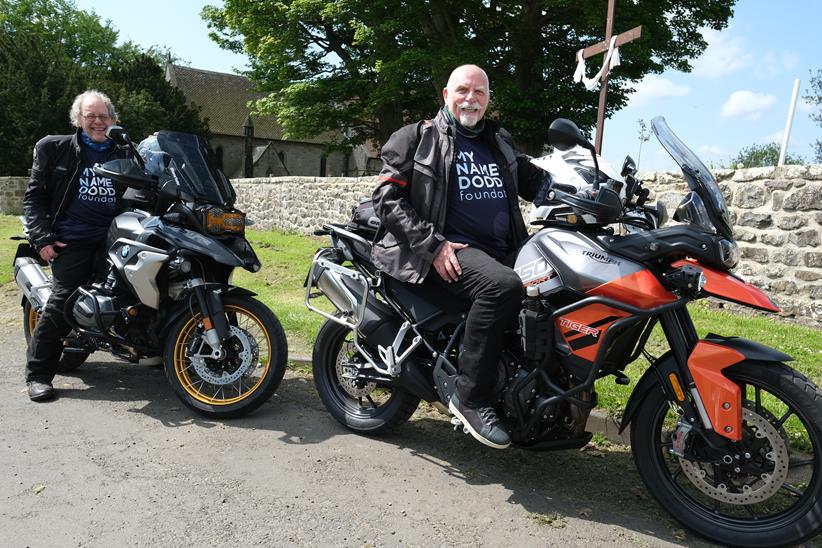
<point>427,303</point>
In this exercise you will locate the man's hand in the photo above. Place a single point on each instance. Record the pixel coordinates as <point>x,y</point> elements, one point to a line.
<point>49,252</point>
<point>446,263</point>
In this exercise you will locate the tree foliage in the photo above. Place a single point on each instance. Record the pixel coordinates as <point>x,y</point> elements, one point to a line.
<point>369,66</point>
<point>815,98</point>
<point>49,52</point>
<point>761,156</point>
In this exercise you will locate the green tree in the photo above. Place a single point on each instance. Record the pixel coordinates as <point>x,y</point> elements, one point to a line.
<point>814,97</point>
<point>761,156</point>
<point>369,66</point>
<point>49,52</point>
<point>147,102</point>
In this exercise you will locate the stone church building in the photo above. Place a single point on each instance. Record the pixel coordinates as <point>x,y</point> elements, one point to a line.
<point>223,100</point>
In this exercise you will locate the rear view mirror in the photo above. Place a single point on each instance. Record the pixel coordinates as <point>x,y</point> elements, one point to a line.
<point>564,134</point>
<point>628,167</point>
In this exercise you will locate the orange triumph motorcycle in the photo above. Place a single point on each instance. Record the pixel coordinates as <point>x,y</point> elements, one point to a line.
<point>726,437</point>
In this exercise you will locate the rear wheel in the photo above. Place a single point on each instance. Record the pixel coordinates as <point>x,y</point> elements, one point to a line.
<point>368,407</point>
<point>245,378</point>
<point>69,361</point>
<point>767,491</point>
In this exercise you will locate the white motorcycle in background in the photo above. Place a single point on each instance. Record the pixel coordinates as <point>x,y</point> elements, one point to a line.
<point>579,171</point>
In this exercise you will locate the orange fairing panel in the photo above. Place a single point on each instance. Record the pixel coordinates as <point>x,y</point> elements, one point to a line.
<point>725,286</point>
<point>583,329</point>
<point>641,289</point>
<point>721,396</point>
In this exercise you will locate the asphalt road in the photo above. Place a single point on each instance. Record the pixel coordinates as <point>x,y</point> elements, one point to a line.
<point>118,460</point>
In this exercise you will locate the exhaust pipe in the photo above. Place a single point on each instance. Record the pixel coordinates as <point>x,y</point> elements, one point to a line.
<point>334,287</point>
<point>33,281</point>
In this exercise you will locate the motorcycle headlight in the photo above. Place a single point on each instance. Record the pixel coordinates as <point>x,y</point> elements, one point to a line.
<point>217,221</point>
<point>729,252</point>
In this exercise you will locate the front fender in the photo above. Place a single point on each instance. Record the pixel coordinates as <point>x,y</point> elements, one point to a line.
<point>707,361</point>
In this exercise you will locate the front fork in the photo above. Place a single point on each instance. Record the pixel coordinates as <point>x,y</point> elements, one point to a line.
<point>695,367</point>
<point>716,401</point>
<point>215,326</point>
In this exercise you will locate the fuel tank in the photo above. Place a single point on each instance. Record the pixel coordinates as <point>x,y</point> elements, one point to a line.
<point>126,225</point>
<point>556,257</point>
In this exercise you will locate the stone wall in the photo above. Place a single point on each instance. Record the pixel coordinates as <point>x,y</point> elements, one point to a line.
<point>776,215</point>
<point>777,222</point>
<point>11,195</point>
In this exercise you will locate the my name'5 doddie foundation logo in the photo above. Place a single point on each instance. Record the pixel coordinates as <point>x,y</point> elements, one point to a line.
<point>478,181</point>
<point>94,188</point>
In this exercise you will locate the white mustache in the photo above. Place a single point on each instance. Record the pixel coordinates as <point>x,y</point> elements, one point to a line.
<point>469,106</point>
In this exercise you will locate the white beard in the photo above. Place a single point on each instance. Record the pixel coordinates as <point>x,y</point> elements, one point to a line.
<point>468,118</point>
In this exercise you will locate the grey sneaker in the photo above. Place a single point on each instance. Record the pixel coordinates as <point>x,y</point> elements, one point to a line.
<point>481,422</point>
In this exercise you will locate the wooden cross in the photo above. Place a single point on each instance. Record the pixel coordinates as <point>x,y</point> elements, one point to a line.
<point>602,47</point>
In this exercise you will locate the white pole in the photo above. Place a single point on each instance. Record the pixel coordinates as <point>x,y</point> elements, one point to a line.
<point>786,137</point>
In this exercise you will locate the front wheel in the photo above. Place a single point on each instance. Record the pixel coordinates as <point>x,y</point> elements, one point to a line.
<point>368,407</point>
<point>245,378</point>
<point>767,490</point>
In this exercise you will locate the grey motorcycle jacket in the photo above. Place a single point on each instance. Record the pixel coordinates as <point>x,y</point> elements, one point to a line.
<point>55,176</point>
<point>412,189</point>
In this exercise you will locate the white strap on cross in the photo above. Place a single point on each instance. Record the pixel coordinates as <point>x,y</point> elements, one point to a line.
<point>611,60</point>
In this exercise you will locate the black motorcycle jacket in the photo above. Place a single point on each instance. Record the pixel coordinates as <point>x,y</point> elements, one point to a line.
<point>55,175</point>
<point>411,194</point>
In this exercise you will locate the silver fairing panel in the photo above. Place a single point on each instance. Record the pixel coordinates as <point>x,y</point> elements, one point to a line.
<point>138,264</point>
<point>557,257</point>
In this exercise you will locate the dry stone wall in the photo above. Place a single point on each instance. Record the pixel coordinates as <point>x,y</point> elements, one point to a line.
<point>11,195</point>
<point>777,222</point>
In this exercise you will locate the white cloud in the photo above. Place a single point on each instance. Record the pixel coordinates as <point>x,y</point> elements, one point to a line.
<point>711,150</point>
<point>775,137</point>
<point>653,87</point>
<point>748,104</point>
<point>724,54</point>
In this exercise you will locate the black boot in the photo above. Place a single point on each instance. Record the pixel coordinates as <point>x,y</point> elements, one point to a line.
<point>40,391</point>
<point>481,422</point>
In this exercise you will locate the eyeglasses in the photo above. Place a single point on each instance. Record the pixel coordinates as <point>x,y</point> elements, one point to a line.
<point>101,117</point>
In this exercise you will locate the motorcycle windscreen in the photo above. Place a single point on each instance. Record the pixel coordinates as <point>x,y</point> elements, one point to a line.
<point>192,166</point>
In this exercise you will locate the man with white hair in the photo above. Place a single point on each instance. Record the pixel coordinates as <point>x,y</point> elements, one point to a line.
<point>447,198</point>
<point>68,209</point>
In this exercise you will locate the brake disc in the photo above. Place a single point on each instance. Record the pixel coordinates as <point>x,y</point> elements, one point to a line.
<point>248,355</point>
<point>763,486</point>
<point>347,371</point>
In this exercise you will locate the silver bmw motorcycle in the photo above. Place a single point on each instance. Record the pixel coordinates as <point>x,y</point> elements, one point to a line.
<point>168,295</point>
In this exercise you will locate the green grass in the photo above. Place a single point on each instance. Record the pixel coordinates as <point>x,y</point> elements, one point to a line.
<point>286,258</point>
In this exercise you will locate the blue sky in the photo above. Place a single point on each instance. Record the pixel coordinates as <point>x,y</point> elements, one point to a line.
<point>737,95</point>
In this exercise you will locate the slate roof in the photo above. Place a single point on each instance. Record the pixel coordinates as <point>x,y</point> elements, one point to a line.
<point>223,98</point>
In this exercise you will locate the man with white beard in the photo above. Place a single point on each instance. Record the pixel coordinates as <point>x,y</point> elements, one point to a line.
<point>447,197</point>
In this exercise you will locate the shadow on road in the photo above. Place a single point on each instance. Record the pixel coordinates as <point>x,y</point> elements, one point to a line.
<point>597,484</point>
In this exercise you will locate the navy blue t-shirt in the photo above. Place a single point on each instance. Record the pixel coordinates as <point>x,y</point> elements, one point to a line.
<point>478,213</point>
<point>91,210</point>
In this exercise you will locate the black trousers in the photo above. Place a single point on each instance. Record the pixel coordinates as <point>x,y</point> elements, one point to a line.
<point>75,265</point>
<point>496,293</point>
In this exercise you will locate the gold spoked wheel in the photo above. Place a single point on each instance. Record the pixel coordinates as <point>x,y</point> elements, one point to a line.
<point>244,377</point>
